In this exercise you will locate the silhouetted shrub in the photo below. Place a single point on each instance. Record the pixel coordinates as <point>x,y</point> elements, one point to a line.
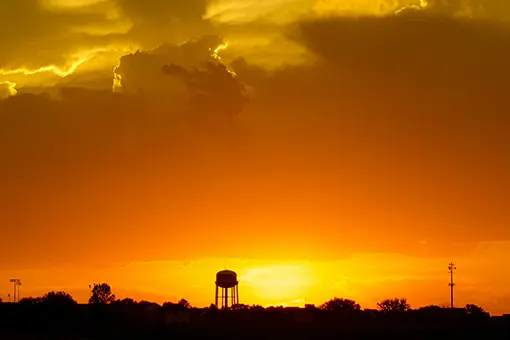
<point>394,305</point>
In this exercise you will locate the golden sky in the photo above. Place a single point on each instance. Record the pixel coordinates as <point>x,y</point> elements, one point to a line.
<point>370,148</point>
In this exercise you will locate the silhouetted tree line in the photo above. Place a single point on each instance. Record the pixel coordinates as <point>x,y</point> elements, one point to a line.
<point>105,314</point>
<point>102,295</point>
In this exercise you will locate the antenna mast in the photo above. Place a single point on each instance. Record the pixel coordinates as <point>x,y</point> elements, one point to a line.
<point>451,268</point>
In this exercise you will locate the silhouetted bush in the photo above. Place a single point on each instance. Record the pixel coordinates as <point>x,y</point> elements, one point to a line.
<point>394,305</point>
<point>58,299</point>
<point>337,305</point>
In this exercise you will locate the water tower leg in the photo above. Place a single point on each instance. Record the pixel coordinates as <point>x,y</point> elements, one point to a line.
<point>237,294</point>
<point>226,297</point>
<point>216,297</point>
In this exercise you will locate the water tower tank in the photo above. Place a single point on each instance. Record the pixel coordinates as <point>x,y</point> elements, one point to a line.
<point>226,279</point>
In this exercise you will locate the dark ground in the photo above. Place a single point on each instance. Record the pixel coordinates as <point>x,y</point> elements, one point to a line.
<point>150,322</point>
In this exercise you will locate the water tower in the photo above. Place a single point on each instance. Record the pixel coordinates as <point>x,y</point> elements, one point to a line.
<point>227,289</point>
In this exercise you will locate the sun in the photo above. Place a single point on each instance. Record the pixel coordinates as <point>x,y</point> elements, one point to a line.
<point>279,283</point>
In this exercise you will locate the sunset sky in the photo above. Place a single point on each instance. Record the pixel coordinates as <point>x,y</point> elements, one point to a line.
<point>319,148</point>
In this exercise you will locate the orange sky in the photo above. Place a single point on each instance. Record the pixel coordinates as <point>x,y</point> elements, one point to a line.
<point>370,149</point>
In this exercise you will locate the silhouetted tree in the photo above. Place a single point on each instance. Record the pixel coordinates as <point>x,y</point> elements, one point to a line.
<point>310,306</point>
<point>60,299</point>
<point>474,310</point>
<point>337,304</point>
<point>102,294</point>
<point>184,303</point>
<point>394,305</point>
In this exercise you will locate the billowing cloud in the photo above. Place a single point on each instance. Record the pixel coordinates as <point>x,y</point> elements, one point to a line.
<point>191,71</point>
<point>144,70</point>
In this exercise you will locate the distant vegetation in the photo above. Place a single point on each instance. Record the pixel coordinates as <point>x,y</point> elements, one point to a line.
<point>101,294</point>
<point>106,315</point>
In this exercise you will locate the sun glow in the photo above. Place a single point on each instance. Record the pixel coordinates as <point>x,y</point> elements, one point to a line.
<point>10,87</point>
<point>70,3</point>
<point>289,282</point>
<point>216,55</point>
<point>218,49</point>
<point>117,79</point>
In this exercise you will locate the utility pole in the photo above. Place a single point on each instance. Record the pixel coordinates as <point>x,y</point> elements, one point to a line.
<point>451,268</point>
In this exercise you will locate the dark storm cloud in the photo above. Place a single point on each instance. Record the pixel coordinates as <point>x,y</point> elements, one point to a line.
<point>405,119</point>
<point>422,101</point>
<point>419,49</point>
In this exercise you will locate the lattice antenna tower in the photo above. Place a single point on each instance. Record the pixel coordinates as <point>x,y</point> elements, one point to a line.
<point>451,269</point>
